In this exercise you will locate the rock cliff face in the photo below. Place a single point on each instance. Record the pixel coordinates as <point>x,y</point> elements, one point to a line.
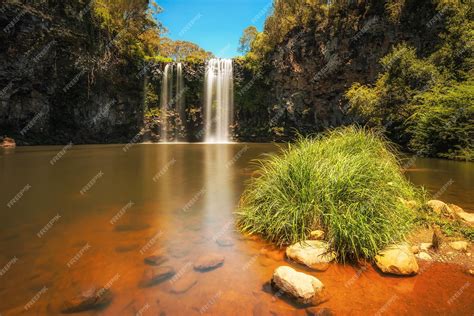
<point>309,72</point>
<point>60,81</point>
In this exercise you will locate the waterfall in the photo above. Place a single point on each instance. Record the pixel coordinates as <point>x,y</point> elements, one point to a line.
<point>180,91</point>
<point>172,98</point>
<point>218,100</point>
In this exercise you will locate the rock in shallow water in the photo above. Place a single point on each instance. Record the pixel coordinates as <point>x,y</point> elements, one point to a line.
<point>315,254</point>
<point>184,283</point>
<point>459,245</point>
<point>155,260</point>
<point>90,299</point>
<point>424,256</point>
<point>398,260</point>
<point>225,242</point>
<point>154,276</point>
<point>304,288</point>
<point>209,262</point>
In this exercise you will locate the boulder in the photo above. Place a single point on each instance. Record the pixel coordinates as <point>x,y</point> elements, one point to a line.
<point>424,256</point>
<point>462,215</point>
<point>304,288</point>
<point>459,245</point>
<point>316,235</point>
<point>7,142</point>
<point>415,249</point>
<point>209,262</point>
<point>154,276</point>
<point>398,260</point>
<point>439,207</point>
<point>315,254</point>
<point>91,299</point>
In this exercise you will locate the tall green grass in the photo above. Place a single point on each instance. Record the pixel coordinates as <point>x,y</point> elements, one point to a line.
<point>347,181</point>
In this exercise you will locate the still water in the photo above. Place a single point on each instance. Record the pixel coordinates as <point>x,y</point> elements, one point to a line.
<point>71,218</point>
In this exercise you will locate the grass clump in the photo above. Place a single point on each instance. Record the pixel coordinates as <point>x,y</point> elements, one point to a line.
<point>347,181</point>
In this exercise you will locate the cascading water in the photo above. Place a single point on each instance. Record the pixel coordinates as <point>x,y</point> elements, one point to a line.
<point>218,100</point>
<point>172,98</point>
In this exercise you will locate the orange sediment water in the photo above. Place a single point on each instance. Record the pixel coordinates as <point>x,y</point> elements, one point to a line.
<point>142,205</point>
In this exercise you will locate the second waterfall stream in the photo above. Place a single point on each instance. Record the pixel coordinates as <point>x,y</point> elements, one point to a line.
<point>218,100</point>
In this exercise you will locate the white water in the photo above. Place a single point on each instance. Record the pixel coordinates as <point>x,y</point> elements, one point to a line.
<point>172,98</point>
<point>218,100</point>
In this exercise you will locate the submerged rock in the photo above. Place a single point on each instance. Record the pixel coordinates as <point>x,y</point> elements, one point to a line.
<point>225,242</point>
<point>459,245</point>
<point>315,254</point>
<point>304,288</point>
<point>155,260</point>
<point>154,276</point>
<point>90,299</point>
<point>7,142</point>
<point>398,260</point>
<point>316,311</point>
<point>209,262</point>
<point>184,283</point>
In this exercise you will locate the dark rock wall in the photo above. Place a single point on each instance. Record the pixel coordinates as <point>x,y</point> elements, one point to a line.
<point>60,81</point>
<point>303,81</point>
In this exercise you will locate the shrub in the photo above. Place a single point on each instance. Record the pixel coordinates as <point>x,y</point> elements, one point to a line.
<point>443,124</point>
<point>347,182</point>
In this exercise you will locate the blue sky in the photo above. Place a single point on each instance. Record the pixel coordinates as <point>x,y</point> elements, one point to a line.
<point>215,25</point>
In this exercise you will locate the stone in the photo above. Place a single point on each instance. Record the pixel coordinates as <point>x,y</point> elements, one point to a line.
<point>209,262</point>
<point>459,245</point>
<point>7,142</point>
<point>316,311</point>
<point>424,256</point>
<point>398,260</point>
<point>225,242</point>
<point>315,254</point>
<point>304,288</point>
<point>462,215</point>
<point>415,249</point>
<point>425,246</point>
<point>316,234</point>
<point>126,248</point>
<point>438,207</point>
<point>184,283</point>
<point>154,276</point>
<point>155,260</point>
<point>470,272</point>
<point>90,299</point>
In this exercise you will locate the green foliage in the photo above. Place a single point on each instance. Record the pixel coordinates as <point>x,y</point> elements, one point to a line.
<point>388,103</point>
<point>347,182</point>
<point>452,228</point>
<point>443,124</point>
<point>247,38</point>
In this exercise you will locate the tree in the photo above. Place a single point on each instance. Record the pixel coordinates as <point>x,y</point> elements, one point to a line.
<point>249,35</point>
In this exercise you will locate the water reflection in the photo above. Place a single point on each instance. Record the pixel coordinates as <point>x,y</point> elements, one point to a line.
<point>183,197</point>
